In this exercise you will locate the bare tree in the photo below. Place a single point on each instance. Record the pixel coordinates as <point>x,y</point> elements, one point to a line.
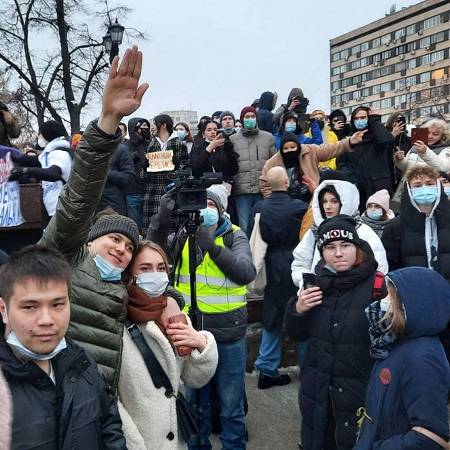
<point>54,50</point>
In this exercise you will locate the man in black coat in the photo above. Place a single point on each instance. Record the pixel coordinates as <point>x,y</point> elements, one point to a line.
<point>136,146</point>
<point>60,401</point>
<point>280,220</point>
<point>120,174</point>
<point>370,166</point>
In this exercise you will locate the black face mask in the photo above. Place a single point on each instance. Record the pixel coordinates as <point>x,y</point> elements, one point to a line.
<point>144,132</point>
<point>321,124</point>
<point>290,159</point>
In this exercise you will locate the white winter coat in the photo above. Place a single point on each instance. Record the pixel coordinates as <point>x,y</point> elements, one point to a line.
<point>148,416</point>
<point>306,254</point>
<point>440,162</point>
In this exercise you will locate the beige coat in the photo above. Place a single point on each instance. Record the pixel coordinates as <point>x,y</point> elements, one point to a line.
<point>148,416</point>
<point>309,158</point>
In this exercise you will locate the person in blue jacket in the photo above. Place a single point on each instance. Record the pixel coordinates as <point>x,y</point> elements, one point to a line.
<point>406,403</point>
<point>290,124</point>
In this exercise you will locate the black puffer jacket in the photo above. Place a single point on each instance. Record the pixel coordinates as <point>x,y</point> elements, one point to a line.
<point>337,365</point>
<point>77,413</point>
<point>223,159</point>
<point>404,237</point>
<point>370,166</point>
<point>120,173</point>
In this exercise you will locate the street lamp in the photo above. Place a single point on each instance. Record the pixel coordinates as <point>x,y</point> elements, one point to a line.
<point>112,39</point>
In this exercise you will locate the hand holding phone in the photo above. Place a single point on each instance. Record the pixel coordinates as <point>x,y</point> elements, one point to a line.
<point>182,350</point>
<point>309,280</point>
<point>419,134</point>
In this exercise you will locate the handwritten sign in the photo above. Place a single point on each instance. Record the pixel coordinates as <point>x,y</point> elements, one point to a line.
<point>161,161</point>
<point>10,213</point>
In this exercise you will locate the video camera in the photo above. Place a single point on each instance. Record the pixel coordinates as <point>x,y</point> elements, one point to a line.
<point>190,192</point>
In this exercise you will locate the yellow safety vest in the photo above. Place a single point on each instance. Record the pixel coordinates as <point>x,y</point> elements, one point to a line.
<point>215,292</point>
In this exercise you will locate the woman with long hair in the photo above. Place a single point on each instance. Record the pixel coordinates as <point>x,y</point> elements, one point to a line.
<point>184,134</point>
<point>406,403</point>
<point>188,357</point>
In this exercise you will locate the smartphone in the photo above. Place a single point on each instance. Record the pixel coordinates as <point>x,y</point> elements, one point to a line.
<point>419,134</point>
<point>182,350</point>
<point>309,280</point>
<point>401,119</point>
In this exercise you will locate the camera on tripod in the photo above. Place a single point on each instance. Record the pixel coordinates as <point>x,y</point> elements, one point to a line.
<point>190,191</point>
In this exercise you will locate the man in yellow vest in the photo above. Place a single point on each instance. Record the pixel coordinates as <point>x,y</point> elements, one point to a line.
<point>224,268</point>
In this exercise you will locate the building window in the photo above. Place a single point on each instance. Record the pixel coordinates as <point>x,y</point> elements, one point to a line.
<point>412,63</point>
<point>400,33</point>
<point>424,42</point>
<point>411,81</point>
<point>424,77</point>
<point>437,56</point>
<point>376,42</point>
<point>386,38</point>
<point>425,112</point>
<point>376,104</point>
<point>356,64</point>
<point>335,57</point>
<point>364,46</point>
<point>385,103</point>
<point>356,49</point>
<point>431,22</point>
<point>400,66</point>
<point>438,37</point>
<point>344,53</point>
<point>411,29</point>
<point>335,85</point>
<point>437,91</point>
<point>437,74</point>
<point>365,62</point>
<point>425,59</point>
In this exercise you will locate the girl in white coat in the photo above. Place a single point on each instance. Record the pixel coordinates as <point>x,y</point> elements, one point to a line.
<point>333,197</point>
<point>149,417</point>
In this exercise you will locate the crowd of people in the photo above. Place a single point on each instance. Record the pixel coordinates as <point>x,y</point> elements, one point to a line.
<point>125,325</point>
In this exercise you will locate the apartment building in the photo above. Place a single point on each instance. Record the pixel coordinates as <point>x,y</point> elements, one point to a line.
<point>400,63</point>
<point>186,116</point>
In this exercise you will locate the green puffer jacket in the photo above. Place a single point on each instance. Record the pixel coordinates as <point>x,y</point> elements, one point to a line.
<point>98,308</point>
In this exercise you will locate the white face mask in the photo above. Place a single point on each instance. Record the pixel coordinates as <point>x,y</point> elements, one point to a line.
<point>41,141</point>
<point>14,341</point>
<point>154,283</point>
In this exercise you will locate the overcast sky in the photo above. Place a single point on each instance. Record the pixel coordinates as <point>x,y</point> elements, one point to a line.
<point>209,55</point>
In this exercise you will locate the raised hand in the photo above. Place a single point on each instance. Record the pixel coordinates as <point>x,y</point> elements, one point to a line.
<point>357,137</point>
<point>122,95</point>
<point>217,142</point>
<point>398,128</point>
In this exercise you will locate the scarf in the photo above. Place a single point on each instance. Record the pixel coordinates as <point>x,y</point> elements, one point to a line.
<point>142,308</point>
<point>381,340</point>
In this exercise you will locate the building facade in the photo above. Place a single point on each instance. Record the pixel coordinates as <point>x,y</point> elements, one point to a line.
<point>186,116</point>
<point>400,63</point>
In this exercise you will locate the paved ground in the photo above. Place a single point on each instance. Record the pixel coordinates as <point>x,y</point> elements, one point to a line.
<point>273,419</point>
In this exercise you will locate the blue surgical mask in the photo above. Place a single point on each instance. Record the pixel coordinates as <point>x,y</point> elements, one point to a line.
<point>360,124</point>
<point>447,191</point>
<point>154,283</point>
<point>107,271</point>
<point>210,216</point>
<point>290,127</point>
<point>249,124</point>
<point>424,195</point>
<point>374,214</point>
<point>181,134</point>
<point>13,340</point>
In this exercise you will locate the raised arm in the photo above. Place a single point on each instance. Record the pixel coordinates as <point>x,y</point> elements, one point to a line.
<point>69,227</point>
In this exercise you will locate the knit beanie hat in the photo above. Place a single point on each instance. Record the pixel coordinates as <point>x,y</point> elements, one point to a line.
<point>115,223</point>
<point>382,198</point>
<point>245,110</point>
<point>330,174</point>
<point>52,129</point>
<point>289,137</point>
<point>227,113</point>
<point>338,228</point>
<point>219,195</point>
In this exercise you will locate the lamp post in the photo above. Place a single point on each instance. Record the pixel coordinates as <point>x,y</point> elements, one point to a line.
<point>112,39</point>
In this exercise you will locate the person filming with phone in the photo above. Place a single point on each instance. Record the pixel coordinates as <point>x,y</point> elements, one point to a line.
<point>150,417</point>
<point>329,312</point>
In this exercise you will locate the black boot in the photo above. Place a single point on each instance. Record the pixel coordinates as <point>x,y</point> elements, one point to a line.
<point>266,381</point>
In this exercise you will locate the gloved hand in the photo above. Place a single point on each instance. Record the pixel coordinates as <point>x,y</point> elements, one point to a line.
<point>166,208</point>
<point>205,240</point>
<point>16,173</point>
